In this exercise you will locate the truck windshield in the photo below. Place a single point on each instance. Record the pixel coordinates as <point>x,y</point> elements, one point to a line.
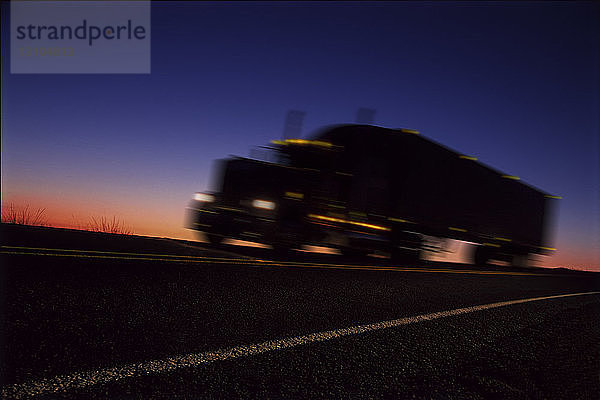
<point>307,157</point>
<point>246,178</point>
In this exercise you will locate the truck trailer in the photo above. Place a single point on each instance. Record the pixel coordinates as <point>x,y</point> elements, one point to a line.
<point>365,189</point>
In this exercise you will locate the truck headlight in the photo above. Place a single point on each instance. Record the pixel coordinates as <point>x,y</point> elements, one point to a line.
<point>264,204</point>
<point>207,198</point>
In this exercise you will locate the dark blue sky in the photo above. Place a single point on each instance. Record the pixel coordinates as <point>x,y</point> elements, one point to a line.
<point>515,84</point>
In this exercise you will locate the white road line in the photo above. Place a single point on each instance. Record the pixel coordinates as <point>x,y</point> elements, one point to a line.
<point>102,376</point>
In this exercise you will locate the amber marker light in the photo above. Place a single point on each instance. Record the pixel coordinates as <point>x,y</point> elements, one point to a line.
<point>491,244</point>
<point>414,132</point>
<point>345,221</point>
<point>319,143</point>
<point>398,219</point>
<point>294,195</point>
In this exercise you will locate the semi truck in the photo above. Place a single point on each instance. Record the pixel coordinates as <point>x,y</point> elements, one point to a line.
<point>365,189</point>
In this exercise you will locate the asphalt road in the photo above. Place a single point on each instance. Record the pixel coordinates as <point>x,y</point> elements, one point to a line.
<point>160,319</point>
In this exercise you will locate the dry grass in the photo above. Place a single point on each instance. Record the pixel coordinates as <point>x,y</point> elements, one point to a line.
<point>109,225</point>
<point>24,215</point>
<point>76,223</point>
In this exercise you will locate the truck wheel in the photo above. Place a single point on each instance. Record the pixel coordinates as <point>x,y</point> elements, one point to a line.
<point>520,260</point>
<point>286,237</point>
<point>353,252</point>
<point>214,238</point>
<point>281,249</point>
<point>405,256</point>
<point>405,247</point>
<point>482,255</point>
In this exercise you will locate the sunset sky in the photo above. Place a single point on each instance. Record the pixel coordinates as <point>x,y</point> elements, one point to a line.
<point>514,84</point>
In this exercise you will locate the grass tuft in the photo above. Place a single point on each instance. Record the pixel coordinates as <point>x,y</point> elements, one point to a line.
<point>109,225</point>
<point>24,215</point>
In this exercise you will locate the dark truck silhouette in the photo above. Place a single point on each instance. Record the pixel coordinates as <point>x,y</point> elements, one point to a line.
<point>363,188</point>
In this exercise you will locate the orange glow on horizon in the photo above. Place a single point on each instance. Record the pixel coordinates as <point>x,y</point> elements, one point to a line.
<point>157,220</point>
